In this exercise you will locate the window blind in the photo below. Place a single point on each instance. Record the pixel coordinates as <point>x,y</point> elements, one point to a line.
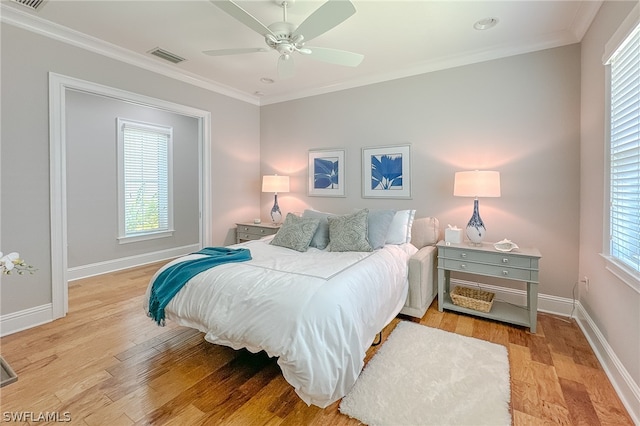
<point>625,152</point>
<point>146,178</point>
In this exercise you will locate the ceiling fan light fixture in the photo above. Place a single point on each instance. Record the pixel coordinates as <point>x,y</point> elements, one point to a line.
<point>485,24</point>
<point>287,38</point>
<point>285,49</point>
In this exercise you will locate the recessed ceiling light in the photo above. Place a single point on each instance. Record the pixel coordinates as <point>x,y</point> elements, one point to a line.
<point>266,80</point>
<point>485,24</point>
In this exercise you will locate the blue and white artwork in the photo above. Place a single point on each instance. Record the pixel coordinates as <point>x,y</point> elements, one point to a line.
<point>386,172</point>
<point>326,173</point>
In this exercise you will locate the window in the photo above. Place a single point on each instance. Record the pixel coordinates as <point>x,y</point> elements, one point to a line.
<point>624,157</point>
<point>144,187</point>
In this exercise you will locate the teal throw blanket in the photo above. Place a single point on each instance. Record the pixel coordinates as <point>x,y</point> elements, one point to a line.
<point>171,280</point>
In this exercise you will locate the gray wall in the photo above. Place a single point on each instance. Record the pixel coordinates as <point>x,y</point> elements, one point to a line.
<point>92,181</point>
<point>518,115</point>
<point>27,58</point>
<point>612,305</point>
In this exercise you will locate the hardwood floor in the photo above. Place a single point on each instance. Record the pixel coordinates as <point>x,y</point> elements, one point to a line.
<point>107,363</point>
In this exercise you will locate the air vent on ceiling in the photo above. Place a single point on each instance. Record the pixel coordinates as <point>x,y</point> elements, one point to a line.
<point>166,55</point>
<point>31,4</point>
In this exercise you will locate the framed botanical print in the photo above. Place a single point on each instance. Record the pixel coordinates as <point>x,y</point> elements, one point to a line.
<point>386,172</point>
<point>326,173</point>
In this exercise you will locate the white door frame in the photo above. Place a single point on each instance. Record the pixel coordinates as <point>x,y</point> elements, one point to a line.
<point>58,86</point>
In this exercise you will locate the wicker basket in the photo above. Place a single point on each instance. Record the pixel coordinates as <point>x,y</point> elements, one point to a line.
<point>478,300</point>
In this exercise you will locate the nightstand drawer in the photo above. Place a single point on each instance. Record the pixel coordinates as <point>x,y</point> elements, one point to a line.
<point>246,237</point>
<point>257,231</point>
<point>491,270</point>
<point>251,231</point>
<point>502,259</point>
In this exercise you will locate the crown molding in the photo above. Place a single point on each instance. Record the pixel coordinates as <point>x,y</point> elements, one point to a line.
<point>582,20</point>
<point>35,24</point>
<point>574,34</point>
<point>518,47</point>
<point>584,17</point>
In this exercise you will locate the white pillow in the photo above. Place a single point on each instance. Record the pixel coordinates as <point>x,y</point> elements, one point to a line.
<point>400,228</point>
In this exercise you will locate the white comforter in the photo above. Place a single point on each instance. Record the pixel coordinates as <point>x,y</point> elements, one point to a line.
<point>317,311</point>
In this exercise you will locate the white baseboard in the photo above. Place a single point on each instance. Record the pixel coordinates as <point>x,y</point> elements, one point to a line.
<point>108,266</point>
<point>32,317</point>
<point>626,388</point>
<point>623,383</point>
<point>27,318</point>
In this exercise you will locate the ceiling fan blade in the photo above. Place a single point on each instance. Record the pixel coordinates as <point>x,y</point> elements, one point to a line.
<point>335,56</point>
<point>224,52</point>
<point>286,67</point>
<point>243,16</point>
<point>327,16</point>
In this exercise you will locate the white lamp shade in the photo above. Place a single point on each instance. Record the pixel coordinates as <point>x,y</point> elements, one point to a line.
<point>477,184</point>
<point>275,183</point>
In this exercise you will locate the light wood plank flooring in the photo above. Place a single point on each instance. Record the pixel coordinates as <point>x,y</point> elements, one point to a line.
<point>106,363</point>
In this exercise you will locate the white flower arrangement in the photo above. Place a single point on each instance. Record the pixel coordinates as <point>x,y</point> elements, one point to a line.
<point>12,263</point>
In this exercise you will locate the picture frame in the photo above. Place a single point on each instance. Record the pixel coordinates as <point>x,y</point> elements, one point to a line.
<point>386,172</point>
<point>326,173</point>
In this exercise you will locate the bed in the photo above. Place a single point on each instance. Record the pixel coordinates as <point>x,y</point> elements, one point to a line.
<point>316,310</point>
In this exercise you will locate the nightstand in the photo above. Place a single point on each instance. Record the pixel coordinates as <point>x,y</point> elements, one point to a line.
<point>520,265</point>
<point>246,231</point>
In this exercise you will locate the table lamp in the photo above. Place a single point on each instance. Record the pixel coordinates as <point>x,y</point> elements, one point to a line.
<point>476,184</point>
<point>275,184</point>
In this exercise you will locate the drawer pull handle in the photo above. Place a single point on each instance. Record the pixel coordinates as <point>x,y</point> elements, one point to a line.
<point>505,273</point>
<point>463,255</point>
<point>463,266</point>
<point>505,260</point>
<point>246,229</point>
<point>262,231</point>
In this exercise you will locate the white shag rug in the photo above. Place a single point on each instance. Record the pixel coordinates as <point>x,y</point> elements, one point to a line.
<point>425,376</point>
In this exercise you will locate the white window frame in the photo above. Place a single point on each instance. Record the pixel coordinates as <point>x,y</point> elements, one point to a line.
<point>620,269</point>
<point>123,236</point>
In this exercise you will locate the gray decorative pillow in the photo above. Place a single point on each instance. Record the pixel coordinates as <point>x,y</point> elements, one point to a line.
<point>349,232</point>
<point>296,232</point>
<point>320,239</point>
<point>379,223</point>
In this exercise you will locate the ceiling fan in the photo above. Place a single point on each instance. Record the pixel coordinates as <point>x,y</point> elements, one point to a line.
<point>285,38</point>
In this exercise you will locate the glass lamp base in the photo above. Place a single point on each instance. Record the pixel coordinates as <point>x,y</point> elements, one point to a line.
<point>276,214</point>
<point>475,228</point>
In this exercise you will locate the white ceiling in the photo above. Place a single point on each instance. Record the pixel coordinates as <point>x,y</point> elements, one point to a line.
<point>397,38</point>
